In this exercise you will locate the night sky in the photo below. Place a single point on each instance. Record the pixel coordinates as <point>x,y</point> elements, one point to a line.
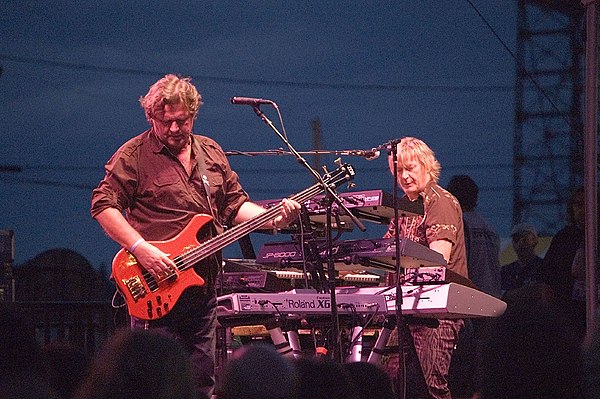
<point>370,71</point>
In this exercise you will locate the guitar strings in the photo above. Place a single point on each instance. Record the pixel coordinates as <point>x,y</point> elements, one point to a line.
<point>197,254</point>
<point>194,255</point>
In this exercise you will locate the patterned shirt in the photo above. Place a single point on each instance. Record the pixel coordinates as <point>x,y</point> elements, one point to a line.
<point>442,220</point>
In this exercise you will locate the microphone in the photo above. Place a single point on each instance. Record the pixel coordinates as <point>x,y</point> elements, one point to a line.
<point>369,155</point>
<point>372,154</point>
<point>249,101</point>
<point>388,146</point>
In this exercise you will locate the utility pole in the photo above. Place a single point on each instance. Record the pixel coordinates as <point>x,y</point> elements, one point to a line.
<point>317,142</point>
<point>7,256</point>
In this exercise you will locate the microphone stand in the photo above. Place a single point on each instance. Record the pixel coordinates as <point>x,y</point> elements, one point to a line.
<point>333,197</point>
<point>419,385</point>
<point>401,375</point>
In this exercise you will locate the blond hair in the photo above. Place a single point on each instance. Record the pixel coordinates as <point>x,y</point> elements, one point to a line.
<point>411,148</point>
<point>171,89</point>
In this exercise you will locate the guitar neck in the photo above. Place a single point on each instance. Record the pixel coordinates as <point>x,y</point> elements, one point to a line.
<point>219,242</point>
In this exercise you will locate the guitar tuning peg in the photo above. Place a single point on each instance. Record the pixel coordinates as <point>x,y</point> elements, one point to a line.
<point>338,162</point>
<point>325,171</point>
<point>351,185</point>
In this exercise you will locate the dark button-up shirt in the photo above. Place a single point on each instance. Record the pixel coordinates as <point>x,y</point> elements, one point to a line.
<point>147,182</point>
<point>517,275</point>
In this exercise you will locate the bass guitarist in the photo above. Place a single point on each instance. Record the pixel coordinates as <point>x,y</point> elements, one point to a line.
<point>154,185</point>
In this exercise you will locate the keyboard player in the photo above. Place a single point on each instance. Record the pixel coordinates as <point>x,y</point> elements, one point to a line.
<point>440,228</point>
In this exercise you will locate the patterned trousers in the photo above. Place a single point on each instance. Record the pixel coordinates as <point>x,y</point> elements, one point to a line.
<point>428,347</point>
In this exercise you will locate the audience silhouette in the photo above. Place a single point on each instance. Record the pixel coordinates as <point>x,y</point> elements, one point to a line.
<point>65,367</point>
<point>139,364</point>
<point>258,372</point>
<point>324,379</point>
<point>481,240</point>
<point>522,279</point>
<point>370,381</point>
<point>482,244</point>
<point>531,353</point>
<point>591,363</point>
<point>21,369</point>
<point>558,263</point>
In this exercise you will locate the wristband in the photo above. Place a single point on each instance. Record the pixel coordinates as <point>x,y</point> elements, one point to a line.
<point>136,244</point>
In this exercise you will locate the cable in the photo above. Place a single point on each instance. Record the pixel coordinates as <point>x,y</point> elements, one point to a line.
<point>521,66</point>
<point>50,183</point>
<point>17,168</point>
<point>262,82</point>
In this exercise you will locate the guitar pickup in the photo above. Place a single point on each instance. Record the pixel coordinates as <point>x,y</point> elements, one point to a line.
<point>135,287</point>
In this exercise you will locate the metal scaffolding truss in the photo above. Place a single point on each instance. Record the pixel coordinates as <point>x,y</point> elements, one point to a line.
<point>548,157</point>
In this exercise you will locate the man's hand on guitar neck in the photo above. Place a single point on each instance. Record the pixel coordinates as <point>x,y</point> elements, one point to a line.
<point>290,210</point>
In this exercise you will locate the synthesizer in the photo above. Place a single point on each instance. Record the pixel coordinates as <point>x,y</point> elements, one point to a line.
<point>373,205</point>
<point>244,275</point>
<point>298,302</point>
<point>440,301</point>
<point>346,278</point>
<point>376,206</point>
<point>377,253</point>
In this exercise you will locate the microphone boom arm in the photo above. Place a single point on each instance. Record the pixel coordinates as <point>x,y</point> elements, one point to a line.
<point>303,162</point>
<point>367,154</point>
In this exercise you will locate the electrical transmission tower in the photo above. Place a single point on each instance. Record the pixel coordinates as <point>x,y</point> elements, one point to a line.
<point>548,140</point>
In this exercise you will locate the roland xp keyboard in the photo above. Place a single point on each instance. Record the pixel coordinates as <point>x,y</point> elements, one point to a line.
<point>298,302</point>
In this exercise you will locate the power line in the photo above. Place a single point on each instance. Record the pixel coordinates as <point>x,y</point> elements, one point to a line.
<point>49,183</point>
<point>271,192</point>
<point>55,167</point>
<point>273,171</point>
<point>18,168</point>
<point>10,169</point>
<point>521,67</point>
<point>262,82</point>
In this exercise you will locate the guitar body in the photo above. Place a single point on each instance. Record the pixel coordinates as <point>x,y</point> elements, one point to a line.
<point>146,298</point>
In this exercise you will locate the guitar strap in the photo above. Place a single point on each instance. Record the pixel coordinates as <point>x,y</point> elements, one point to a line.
<point>218,225</point>
<point>202,170</point>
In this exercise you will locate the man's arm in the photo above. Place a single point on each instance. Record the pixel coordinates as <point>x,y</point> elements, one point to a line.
<point>289,212</point>
<point>148,256</point>
<point>442,246</point>
<point>117,227</point>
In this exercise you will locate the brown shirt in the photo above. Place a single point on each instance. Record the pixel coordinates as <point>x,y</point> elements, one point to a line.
<point>442,220</point>
<point>146,181</point>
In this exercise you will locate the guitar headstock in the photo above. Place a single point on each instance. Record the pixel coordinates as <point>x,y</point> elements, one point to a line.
<point>344,173</point>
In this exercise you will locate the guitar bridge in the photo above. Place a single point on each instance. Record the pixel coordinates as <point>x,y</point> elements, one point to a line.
<point>135,287</point>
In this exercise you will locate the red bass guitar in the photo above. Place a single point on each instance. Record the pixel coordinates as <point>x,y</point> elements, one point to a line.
<point>148,298</point>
